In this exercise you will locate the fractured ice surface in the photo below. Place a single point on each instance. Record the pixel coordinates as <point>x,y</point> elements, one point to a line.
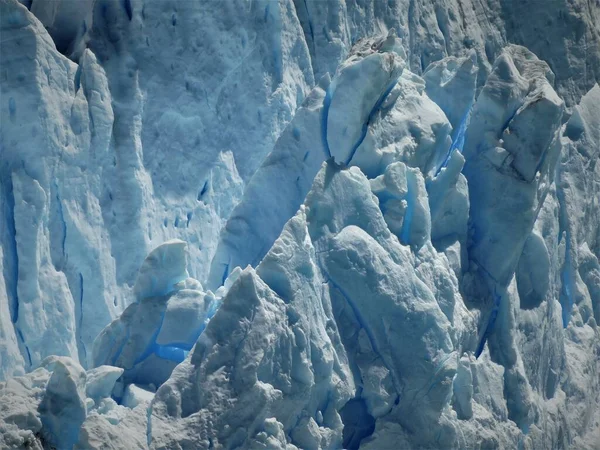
<point>159,328</point>
<point>299,224</point>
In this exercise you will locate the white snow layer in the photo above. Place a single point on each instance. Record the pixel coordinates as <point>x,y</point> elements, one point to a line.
<point>394,217</point>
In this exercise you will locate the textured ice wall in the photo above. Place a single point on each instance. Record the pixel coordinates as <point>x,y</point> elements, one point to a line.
<point>140,142</point>
<point>155,134</point>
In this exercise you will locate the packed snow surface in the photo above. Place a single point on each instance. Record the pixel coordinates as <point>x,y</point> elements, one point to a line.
<point>299,224</point>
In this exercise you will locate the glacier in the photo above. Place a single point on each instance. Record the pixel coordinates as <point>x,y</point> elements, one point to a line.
<point>299,224</point>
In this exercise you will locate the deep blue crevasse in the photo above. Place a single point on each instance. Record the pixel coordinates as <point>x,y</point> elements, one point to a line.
<point>11,256</point>
<point>458,142</point>
<point>567,275</point>
<point>325,116</point>
<point>374,111</point>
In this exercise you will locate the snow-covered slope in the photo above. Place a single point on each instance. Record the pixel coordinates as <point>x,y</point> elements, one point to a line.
<point>299,224</point>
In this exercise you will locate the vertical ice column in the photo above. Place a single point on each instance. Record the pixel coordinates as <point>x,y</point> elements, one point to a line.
<point>511,149</point>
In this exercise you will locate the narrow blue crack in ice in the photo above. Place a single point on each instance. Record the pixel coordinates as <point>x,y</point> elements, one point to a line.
<point>567,276</point>
<point>459,139</point>
<point>325,116</point>
<point>374,111</point>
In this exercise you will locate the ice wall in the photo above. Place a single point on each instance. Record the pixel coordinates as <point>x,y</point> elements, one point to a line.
<point>134,119</point>
<point>418,208</point>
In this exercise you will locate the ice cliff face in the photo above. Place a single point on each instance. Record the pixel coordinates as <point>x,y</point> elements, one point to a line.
<point>299,224</point>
